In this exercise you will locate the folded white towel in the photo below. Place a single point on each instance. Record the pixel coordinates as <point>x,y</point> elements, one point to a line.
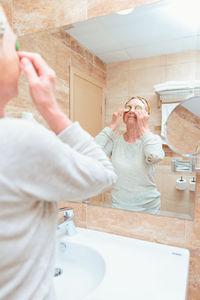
<point>176,85</point>
<point>172,85</point>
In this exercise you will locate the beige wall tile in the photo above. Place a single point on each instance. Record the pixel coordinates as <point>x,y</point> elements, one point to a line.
<point>79,62</point>
<point>136,224</point>
<point>99,63</point>
<point>62,95</point>
<point>118,80</point>
<point>181,58</point>
<point>149,62</point>
<point>77,47</point>
<point>194,274</point>
<point>62,36</point>
<point>55,52</point>
<point>143,80</point>
<point>89,56</point>
<point>181,72</point>
<point>7,6</point>
<point>30,16</point>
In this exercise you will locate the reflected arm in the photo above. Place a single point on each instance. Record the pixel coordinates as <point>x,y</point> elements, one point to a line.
<point>105,140</point>
<point>152,146</point>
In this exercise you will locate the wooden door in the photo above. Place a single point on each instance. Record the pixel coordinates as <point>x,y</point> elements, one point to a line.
<point>87,105</point>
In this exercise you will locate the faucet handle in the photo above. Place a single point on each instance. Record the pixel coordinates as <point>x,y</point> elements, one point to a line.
<point>67,211</point>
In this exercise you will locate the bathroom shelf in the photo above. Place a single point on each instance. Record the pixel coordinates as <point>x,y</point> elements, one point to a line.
<point>176,95</point>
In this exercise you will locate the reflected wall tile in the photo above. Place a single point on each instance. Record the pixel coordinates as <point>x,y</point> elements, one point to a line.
<point>79,62</point>
<point>97,74</point>
<point>99,63</point>
<point>56,54</point>
<point>63,36</point>
<point>149,62</point>
<point>181,72</point>
<point>116,101</point>
<point>181,57</point>
<point>24,102</point>
<point>103,7</point>
<point>89,56</point>
<point>114,68</point>
<point>7,6</point>
<point>117,79</point>
<point>77,47</point>
<point>40,15</point>
<point>62,95</point>
<point>145,79</point>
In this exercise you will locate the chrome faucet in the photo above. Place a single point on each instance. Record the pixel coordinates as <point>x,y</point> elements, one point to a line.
<point>67,223</point>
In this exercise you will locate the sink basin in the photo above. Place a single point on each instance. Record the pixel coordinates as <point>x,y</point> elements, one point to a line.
<point>102,266</point>
<point>82,270</point>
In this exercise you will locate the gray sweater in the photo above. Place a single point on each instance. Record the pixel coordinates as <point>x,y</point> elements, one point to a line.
<point>134,164</point>
<point>37,169</point>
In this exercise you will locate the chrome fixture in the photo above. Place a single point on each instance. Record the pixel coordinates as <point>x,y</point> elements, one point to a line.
<point>67,223</point>
<point>183,165</point>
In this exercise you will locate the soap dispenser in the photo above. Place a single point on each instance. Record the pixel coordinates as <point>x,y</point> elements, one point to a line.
<point>192,185</point>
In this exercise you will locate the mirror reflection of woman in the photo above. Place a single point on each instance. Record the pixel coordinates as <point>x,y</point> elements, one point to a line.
<point>133,155</point>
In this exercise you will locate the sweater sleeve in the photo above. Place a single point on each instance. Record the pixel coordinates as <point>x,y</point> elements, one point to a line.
<point>68,167</point>
<point>105,140</point>
<point>152,148</point>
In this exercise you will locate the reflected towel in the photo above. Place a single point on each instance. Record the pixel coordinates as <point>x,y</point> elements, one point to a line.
<point>166,110</point>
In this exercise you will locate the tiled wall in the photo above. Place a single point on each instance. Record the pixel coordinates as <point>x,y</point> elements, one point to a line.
<point>29,16</point>
<point>61,52</point>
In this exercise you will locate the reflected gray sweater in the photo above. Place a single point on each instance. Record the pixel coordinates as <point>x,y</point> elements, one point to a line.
<point>37,169</point>
<point>134,164</point>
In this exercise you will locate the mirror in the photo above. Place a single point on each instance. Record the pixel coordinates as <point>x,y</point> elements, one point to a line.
<point>125,56</point>
<point>151,45</point>
<point>183,127</point>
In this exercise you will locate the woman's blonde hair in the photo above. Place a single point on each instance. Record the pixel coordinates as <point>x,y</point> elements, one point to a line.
<point>3,23</point>
<point>143,100</point>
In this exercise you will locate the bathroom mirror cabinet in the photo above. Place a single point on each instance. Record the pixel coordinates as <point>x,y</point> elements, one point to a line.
<point>152,52</point>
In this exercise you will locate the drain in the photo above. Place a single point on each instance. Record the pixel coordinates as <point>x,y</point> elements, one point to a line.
<point>57,272</point>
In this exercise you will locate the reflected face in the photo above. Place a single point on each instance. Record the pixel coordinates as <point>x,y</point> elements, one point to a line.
<point>130,108</point>
<point>9,64</point>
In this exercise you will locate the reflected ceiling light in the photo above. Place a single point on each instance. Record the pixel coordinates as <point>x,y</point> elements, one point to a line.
<point>125,11</point>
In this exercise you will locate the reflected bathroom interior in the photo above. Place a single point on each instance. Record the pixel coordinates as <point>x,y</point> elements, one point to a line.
<point>154,68</point>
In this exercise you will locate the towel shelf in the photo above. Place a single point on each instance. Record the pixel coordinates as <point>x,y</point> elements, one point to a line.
<point>176,95</point>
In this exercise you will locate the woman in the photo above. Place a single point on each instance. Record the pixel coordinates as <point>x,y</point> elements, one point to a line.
<point>38,167</point>
<point>134,155</point>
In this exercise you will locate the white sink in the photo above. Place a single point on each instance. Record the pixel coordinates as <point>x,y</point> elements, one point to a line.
<point>82,268</point>
<point>102,266</point>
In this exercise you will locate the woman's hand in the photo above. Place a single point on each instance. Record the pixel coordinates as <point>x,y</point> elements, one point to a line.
<point>142,121</point>
<point>116,119</point>
<point>42,88</point>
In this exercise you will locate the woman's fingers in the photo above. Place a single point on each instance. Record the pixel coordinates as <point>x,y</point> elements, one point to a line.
<point>38,62</point>
<point>141,114</point>
<point>29,70</point>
